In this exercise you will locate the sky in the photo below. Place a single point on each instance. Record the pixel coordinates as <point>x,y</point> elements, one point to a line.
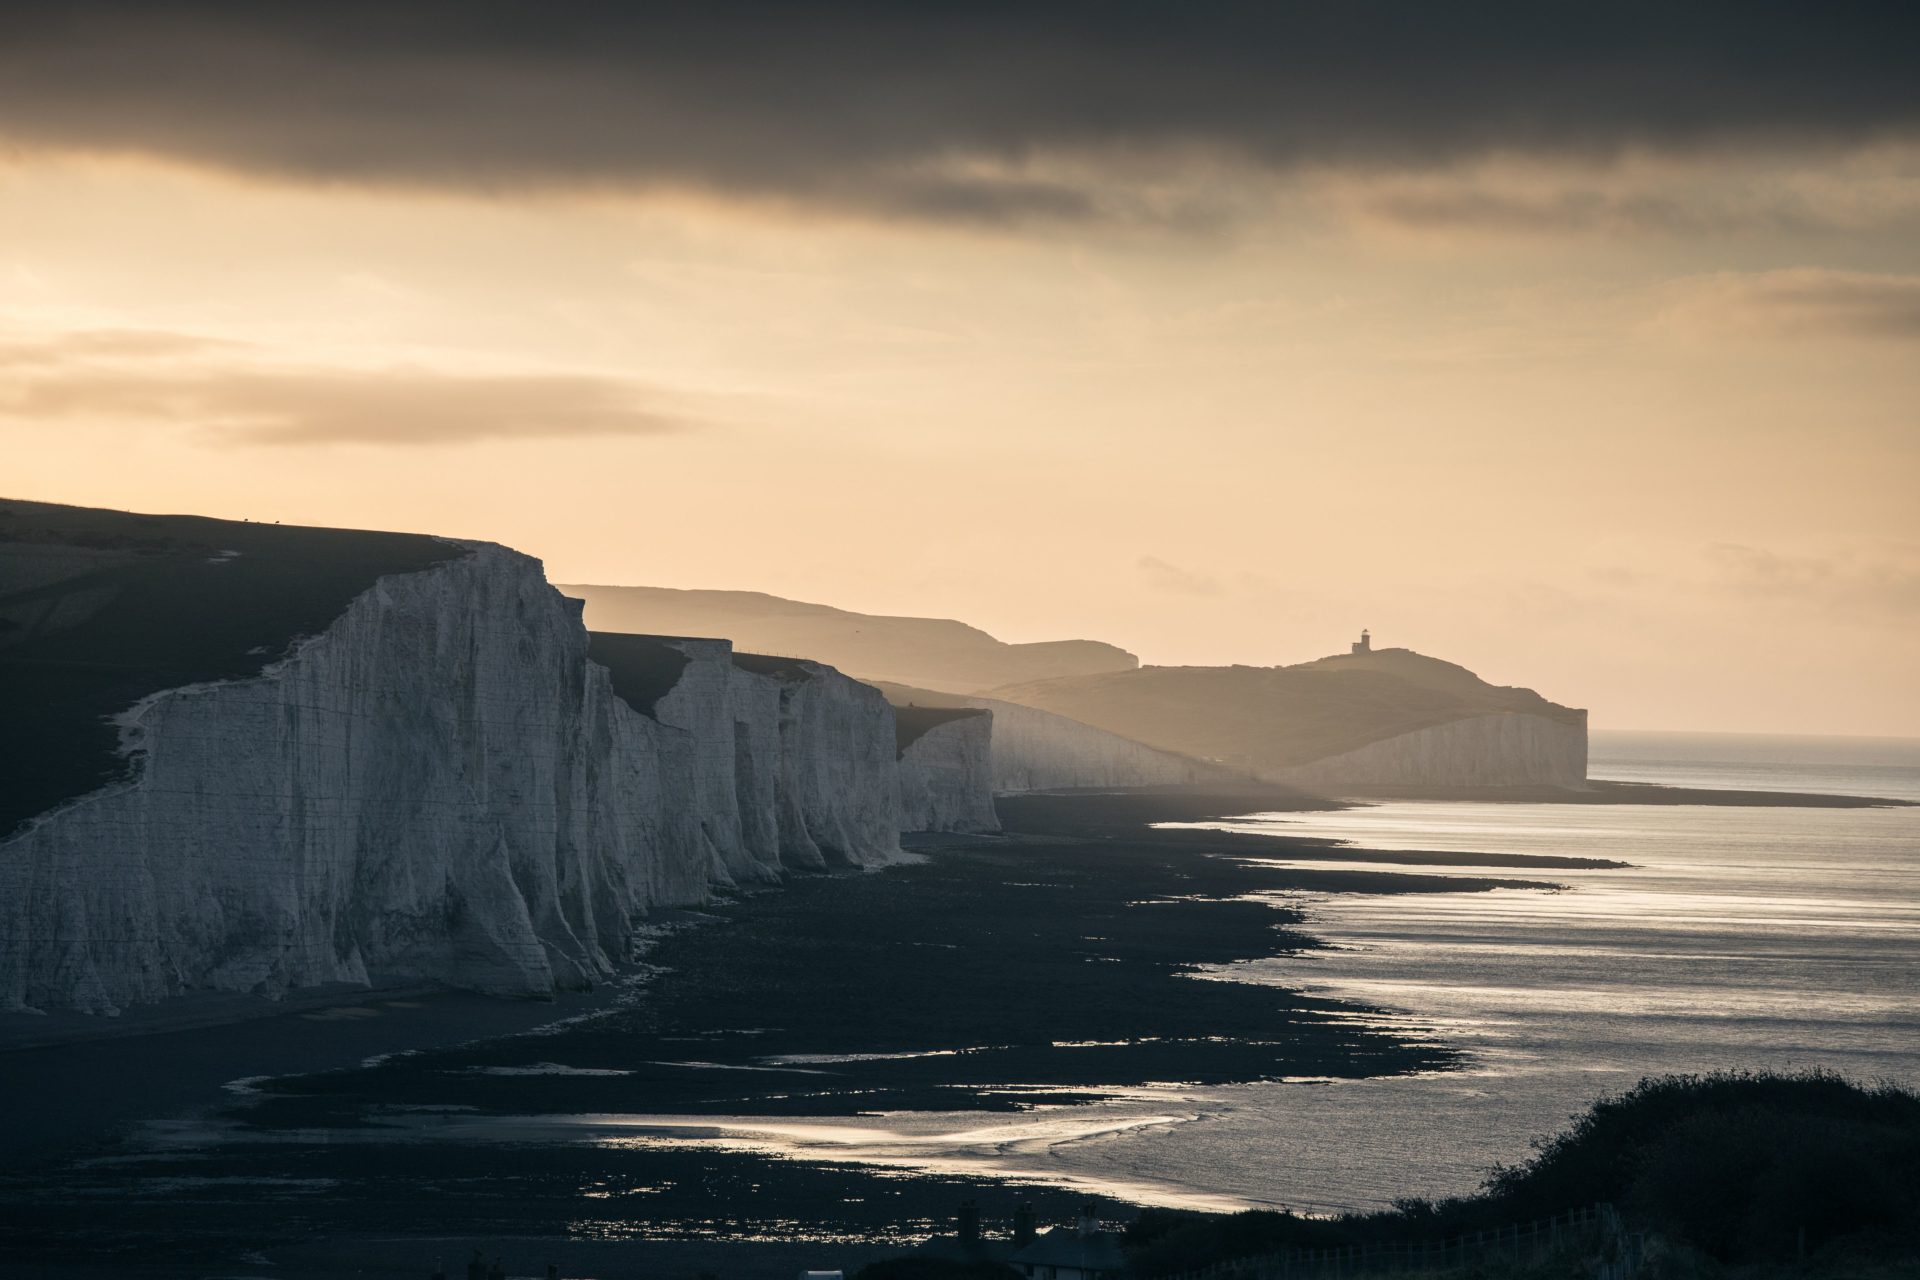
<point>1576,344</point>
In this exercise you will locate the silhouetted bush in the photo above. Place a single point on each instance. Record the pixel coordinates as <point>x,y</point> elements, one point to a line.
<point>1736,1164</point>
<point>1153,1223</point>
<point>914,1267</point>
<point>1741,1167</point>
<point>919,1268</point>
<point>1199,1241</point>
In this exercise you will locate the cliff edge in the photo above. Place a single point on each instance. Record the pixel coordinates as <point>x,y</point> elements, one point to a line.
<point>256,758</point>
<point>945,769</point>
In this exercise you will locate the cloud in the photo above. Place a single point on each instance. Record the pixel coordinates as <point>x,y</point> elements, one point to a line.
<point>165,378</point>
<point>1162,576</point>
<point>1883,581</point>
<point>979,111</point>
<point>1796,302</point>
<point>1513,197</point>
<point>80,345</point>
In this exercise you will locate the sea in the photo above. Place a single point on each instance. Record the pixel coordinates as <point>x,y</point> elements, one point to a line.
<point>1737,938</point>
<point>1734,938</point>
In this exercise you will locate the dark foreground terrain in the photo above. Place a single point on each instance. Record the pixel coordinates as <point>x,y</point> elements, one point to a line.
<point>1726,1176</point>
<point>996,975</point>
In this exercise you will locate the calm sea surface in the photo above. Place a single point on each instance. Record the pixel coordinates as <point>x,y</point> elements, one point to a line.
<point>1738,938</point>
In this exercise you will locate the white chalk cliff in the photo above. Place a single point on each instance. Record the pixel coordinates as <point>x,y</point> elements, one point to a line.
<point>792,766</point>
<point>1034,750</point>
<point>1509,750</point>
<point>945,771</point>
<point>438,786</point>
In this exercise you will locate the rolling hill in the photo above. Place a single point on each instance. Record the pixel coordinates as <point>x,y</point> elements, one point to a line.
<point>936,653</point>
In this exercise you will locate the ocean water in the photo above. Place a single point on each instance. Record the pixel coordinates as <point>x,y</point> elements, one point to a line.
<point>1888,767</point>
<point>1737,938</point>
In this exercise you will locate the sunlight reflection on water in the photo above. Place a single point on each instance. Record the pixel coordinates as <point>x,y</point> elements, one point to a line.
<point>1737,938</point>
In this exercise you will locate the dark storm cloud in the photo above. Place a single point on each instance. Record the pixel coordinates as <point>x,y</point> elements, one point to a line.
<point>141,376</point>
<point>894,107</point>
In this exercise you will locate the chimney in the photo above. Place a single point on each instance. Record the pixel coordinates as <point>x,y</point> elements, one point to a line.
<point>1022,1226</point>
<point>967,1226</point>
<point>1089,1220</point>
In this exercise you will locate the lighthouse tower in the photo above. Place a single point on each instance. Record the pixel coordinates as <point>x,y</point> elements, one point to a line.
<point>1364,644</point>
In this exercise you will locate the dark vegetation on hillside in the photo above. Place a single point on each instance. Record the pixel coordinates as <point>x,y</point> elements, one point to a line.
<point>922,1267</point>
<point>910,724</point>
<point>762,664</point>
<point>644,668</point>
<point>99,609</point>
<point>1740,1168</point>
<point>1271,717</point>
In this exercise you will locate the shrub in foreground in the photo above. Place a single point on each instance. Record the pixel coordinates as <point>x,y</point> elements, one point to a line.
<point>1730,1166</point>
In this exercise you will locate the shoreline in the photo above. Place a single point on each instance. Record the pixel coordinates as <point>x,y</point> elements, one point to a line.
<point>344,1025</point>
<point>98,1092</point>
<point>211,1142</point>
<point>1613,792</point>
<point>1062,815</point>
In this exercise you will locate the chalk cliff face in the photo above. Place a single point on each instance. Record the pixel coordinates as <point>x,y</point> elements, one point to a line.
<point>835,794</point>
<point>1035,750</point>
<point>1039,751</point>
<point>1512,750</point>
<point>793,767</point>
<point>439,785</point>
<point>946,770</point>
<point>732,723</point>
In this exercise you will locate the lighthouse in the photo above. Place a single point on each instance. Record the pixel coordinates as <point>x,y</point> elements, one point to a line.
<point>1364,644</point>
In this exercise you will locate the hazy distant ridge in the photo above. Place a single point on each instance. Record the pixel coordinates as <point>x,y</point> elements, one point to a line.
<point>936,653</point>
<point>1376,720</point>
<point>1329,722</point>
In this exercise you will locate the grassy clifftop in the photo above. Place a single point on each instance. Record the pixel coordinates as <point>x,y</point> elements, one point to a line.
<point>99,609</point>
<point>1272,717</point>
